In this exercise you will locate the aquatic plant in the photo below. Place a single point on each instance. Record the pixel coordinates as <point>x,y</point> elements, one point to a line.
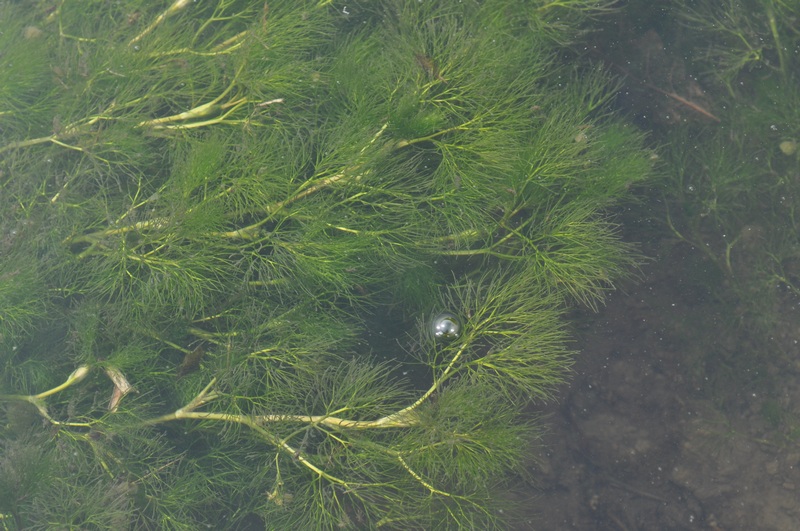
<point>225,228</point>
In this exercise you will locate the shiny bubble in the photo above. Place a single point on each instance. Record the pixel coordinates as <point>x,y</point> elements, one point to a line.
<point>445,326</point>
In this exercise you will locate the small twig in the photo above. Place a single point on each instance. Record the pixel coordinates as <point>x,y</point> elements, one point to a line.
<point>684,101</point>
<point>680,99</point>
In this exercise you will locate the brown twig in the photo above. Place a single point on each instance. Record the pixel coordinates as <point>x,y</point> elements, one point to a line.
<point>670,94</point>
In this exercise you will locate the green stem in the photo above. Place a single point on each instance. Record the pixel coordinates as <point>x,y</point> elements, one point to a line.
<point>171,10</point>
<point>39,402</point>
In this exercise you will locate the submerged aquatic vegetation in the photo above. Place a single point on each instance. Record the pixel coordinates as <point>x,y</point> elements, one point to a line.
<point>716,83</point>
<point>732,189</point>
<point>225,227</point>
